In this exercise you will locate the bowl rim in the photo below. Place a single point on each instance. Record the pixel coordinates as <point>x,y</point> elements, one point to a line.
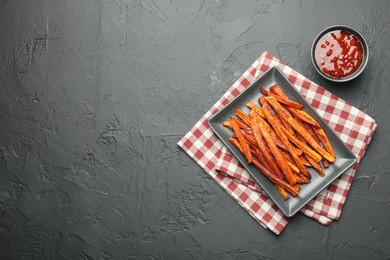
<point>353,31</point>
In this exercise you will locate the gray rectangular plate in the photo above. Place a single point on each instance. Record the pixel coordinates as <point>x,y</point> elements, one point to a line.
<point>344,157</point>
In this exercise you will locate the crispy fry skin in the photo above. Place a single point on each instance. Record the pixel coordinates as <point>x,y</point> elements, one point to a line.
<point>302,131</point>
<point>305,161</point>
<point>241,139</point>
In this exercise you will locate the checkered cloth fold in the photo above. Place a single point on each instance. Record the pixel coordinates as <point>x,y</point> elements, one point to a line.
<point>353,126</point>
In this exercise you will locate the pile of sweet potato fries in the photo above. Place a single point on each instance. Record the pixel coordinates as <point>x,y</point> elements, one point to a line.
<point>281,140</point>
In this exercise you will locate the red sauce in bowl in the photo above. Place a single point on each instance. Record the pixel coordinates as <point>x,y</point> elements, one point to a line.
<point>338,53</point>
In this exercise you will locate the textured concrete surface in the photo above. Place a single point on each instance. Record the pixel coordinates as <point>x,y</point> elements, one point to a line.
<point>95,94</point>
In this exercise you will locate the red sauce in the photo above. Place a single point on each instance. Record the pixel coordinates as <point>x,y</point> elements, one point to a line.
<point>339,53</point>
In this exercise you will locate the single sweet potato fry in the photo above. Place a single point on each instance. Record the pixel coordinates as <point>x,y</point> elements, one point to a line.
<point>285,101</point>
<point>316,166</point>
<point>277,90</point>
<point>256,108</point>
<point>267,155</point>
<point>290,161</point>
<point>324,140</point>
<point>261,100</point>
<point>325,163</point>
<point>227,124</point>
<point>305,161</point>
<point>241,139</point>
<point>302,179</point>
<point>243,116</point>
<point>296,187</point>
<point>303,116</point>
<point>282,192</point>
<point>310,129</point>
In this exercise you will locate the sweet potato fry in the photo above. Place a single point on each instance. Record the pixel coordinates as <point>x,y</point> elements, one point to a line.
<point>283,192</point>
<point>324,140</point>
<point>250,138</point>
<point>299,129</point>
<point>227,124</point>
<point>294,168</point>
<point>243,116</point>
<point>296,187</point>
<point>301,179</point>
<point>257,109</point>
<point>303,116</point>
<point>325,163</point>
<point>316,166</point>
<point>270,160</point>
<point>240,123</point>
<point>234,141</point>
<point>241,139</point>
<point>277,90</point>
<point>305,161</point>
<point>261,100</point>
<point>309,128</point>
<point>282,100</point>
<point>290,161</point>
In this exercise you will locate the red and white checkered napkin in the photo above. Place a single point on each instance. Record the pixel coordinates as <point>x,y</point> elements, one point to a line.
<point>353,126</point>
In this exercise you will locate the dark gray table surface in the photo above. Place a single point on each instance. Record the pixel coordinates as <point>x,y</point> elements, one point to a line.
<point>95,95</point>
